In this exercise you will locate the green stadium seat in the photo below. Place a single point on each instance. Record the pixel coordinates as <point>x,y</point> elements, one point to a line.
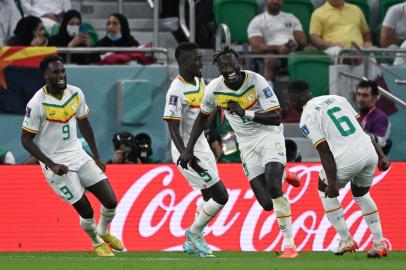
<point>313,70</point>
<point>384,5</point>
<point>364,6</point>
<point>302,9</point>
<point>236,14</point>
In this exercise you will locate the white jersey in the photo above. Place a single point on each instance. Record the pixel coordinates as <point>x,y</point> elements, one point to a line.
<point>54,123</point>
<point>331,118</point>
<point>255,94</point>
<point>183,104</point>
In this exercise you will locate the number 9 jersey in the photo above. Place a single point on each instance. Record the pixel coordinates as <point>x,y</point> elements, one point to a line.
<point>54,123</point>
<point>331,118</point>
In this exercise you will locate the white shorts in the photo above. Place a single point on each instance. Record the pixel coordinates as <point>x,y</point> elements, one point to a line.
<point>71,186</point>
<point>269,148</point>
<point>205,179</point>
<point>361,173</point>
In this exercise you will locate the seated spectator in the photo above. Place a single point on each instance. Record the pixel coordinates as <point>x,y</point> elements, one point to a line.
<point>6,157</point>
<point>50,11</point>
<point>393,32</point>
<point>71,35</point>
<point>125,149</point>
<point>118,33</point>
<point>9,16</point>
<point>144,144</point>
<point>336,25</point>
<point>277,32</point>
<point>374,121</point>
<point>29,32</point>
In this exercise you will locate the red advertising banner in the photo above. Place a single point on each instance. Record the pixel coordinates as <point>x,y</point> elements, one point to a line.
<point>156,206</point>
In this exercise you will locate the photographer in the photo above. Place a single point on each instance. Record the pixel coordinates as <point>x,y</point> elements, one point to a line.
<point>144,145</point>
<point>125,149</point>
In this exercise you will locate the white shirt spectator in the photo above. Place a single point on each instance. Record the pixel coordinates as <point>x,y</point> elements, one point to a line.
<point>395,18</point>
<point>40,8</point>
<point>276,30</point>
<point>9,16</point>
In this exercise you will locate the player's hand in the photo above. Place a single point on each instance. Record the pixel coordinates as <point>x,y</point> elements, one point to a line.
<point>332,191</point>
<point>184,159</point>
<point>194,163</point>
<point>235,107</point>
<point>59,169</point>
<point>383,163</point>
<point>100,164</point>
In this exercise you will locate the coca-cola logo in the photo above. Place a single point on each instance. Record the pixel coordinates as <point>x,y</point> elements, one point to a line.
<point>159,206</point>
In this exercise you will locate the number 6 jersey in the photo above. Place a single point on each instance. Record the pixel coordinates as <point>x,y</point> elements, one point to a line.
<point>54,123</point>
<point>331,118</point>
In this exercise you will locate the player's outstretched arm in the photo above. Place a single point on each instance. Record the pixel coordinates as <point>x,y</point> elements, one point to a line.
<point>27,140</point>
<point>87,132</point>
<point>187,156</point>
<point>330,167</point>
<point>272,118</point>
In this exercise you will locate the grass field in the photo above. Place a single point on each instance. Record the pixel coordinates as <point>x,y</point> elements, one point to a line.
<point>177,260</point>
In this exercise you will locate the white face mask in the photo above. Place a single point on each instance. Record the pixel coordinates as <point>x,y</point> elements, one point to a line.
<point>72,30</point>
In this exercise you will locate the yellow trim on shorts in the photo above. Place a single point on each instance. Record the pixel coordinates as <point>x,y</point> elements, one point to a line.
<point>171,118</point>
<point>204,112</point>
<point>273,108</point>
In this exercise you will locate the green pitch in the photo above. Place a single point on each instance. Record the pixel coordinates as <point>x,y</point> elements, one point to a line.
<point>178,261</point>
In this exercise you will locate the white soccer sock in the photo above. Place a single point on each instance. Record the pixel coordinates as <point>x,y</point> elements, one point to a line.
<point>89,226</point>
<point>281,207</point>
<point>370,215</point>
<point>335,214</point>
<point>208,211</point>
<point>106,216</point>
<point>198,208</point>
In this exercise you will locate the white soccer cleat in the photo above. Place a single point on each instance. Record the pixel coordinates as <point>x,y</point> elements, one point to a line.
<point>345,245</point>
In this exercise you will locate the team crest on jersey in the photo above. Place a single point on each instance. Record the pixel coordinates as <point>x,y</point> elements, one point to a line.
<point>267,92</point>
<point>28,112</point>
<point>173,100</point>
<point>305,130</point>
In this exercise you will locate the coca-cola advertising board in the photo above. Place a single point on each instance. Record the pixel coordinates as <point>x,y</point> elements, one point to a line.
<point>156,206</point>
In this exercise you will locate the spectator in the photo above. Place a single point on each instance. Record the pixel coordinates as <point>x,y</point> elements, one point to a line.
<point>336,25</point>
<point>9,16</point>
<point>374,121</point>
<point>118,33</point>
<point>72,35</point>
<point>144,145</point>
<point>50,11</point>
<point>393,33</point>
<point>125,149</point>
<point>275,31</point>
<point>29,32</point>
<point>6,157</point>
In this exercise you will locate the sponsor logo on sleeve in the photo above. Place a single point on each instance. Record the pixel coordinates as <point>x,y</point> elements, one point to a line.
<point>173,100</point>
<point>305,130</point>
<point>28,112</point>
<point>267,92</point>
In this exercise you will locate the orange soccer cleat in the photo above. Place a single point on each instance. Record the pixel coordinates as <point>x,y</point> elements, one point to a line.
<point>291,178</point>
<point>289,253</point>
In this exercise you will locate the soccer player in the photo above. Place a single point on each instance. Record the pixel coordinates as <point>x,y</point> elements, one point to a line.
<point>181,109</point>
<point>52,115</point>
<point>347,155</point>
<point>252,110</point>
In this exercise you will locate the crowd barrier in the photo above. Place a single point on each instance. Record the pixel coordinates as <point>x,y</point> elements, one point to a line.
<point>156,206</point>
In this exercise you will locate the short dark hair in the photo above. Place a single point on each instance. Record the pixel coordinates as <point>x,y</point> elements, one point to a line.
<point>184,47</point>
<point>298,87</point>
<point>226,50</point>
<point>47,60</point>
<point>369,84</point>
